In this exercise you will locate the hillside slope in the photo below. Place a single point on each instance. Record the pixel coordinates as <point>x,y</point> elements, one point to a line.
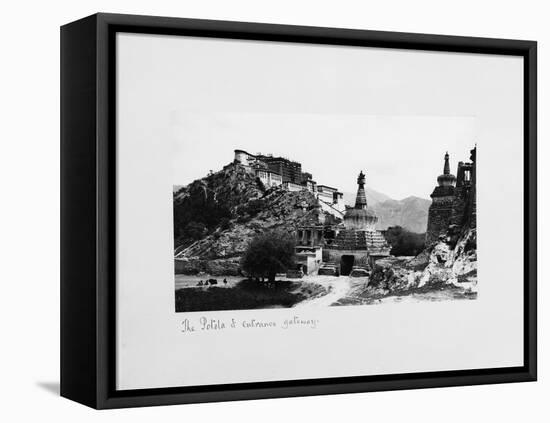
<point>216,217</point>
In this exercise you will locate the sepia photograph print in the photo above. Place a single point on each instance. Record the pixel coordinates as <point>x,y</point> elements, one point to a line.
<point>390,217</point>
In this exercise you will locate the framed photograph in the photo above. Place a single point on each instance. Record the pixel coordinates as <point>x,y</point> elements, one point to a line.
<point>256,210</point>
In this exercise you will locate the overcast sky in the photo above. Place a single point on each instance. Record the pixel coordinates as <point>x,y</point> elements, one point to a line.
<point>336,109</point>
<point>401,156</point>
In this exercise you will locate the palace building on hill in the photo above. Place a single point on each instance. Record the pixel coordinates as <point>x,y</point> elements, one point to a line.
<point>279,171</point>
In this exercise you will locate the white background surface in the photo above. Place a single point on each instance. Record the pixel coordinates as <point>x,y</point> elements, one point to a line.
<point>29,171</point>
<point>163,81</point>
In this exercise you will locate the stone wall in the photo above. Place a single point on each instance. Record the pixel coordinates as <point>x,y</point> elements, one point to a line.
<point>439,217</point>
<point>460,204</point>
<point>452,215</point>
<point>361,257</point>
<point>464,213</point>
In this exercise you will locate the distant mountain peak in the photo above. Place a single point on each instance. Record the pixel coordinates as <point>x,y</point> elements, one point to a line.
<point>414,198</point>
<point>373,197</point>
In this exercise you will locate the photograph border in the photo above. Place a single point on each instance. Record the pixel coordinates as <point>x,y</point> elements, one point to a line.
<point>88,214</point>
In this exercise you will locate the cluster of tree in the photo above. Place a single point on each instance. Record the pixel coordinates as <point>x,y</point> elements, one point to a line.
<point>197,216</point>
<point>404,242</point>
<point>268,254</point>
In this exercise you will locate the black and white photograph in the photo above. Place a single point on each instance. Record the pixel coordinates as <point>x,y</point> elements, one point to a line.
<point>287,196</point>
<point>275,212</point>
<point>263,231</point>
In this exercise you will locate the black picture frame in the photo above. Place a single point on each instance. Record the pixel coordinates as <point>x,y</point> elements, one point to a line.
<point>88,210</point>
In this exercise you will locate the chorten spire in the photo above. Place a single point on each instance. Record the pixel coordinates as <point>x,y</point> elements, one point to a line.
<point>446,167</point>
<point>361,199</point>
<point>446,179</point>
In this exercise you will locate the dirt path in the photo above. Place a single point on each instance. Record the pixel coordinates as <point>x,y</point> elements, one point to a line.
<point>337,287</point>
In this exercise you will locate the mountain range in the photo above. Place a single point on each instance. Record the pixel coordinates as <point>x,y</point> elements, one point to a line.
<point>411,213</point>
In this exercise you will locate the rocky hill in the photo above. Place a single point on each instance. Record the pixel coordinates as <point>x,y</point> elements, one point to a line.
<point>216,217</point>
<point>440,268</point>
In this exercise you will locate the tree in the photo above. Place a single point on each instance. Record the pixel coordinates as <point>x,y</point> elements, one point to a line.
<point>268,254</point>
<point>404,242</point>
<point>195,230</point>
<point>197,214</point>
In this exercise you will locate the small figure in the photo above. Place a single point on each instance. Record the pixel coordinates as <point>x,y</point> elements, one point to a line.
<point>200,283</point>
<point>205,283</point>
<point>224,281</point>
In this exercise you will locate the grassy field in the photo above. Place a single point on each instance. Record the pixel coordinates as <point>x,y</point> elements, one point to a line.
<point>245,295</point>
